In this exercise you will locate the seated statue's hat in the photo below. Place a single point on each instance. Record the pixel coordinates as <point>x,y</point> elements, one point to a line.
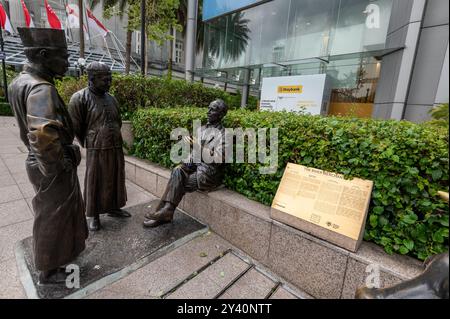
<point>42,38</point>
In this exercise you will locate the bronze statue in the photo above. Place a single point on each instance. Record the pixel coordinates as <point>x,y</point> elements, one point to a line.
<point>431,284</point>
<point>189,177</point>
<point>96,120</point>
<point>60,229</point>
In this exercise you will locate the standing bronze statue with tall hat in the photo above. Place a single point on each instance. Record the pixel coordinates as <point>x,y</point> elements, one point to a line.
<point>59,229</point>
<point>96,119</point>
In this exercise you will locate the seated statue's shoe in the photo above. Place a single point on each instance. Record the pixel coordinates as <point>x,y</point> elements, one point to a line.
<point>54,277</point>
<point>119,213</point>
<point>94,223</point>
<point>161,217</point>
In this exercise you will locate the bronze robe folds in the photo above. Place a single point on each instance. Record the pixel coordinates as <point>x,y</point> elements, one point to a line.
<point>60,228</point>
<point>97,125</point>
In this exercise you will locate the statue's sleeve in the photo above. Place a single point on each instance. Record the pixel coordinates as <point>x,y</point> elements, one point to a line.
<point>77,115</point>
<point>43,129</point>
<point>116,104</point>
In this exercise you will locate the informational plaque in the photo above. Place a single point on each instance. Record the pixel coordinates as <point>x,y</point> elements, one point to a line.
<point>323,204</point>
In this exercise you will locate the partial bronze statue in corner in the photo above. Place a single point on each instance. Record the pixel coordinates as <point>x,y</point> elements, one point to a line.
<point>431,284</point>
<point>59,229</point>
<point>97,123</point>
<point>196,174</point>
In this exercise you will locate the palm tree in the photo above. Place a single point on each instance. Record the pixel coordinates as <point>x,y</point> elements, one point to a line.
<point>121,4</point>
<point>230,38</point>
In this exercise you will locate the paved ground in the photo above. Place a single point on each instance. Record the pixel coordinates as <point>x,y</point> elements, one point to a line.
<point>206,267</point>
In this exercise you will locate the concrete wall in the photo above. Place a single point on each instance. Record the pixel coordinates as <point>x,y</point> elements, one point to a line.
<point>414,79</point>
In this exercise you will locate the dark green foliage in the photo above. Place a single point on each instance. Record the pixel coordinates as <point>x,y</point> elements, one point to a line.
<point>408,164</point>
<point>440,116</point>
<point>5,108</point>
<point>131,90</point>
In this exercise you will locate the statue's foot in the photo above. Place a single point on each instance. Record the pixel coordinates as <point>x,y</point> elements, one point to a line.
<point>366,293</point>
<point>119,213</point>
<point>150,223</point>
<point>162,208</point>
<point>52,277</point>
<point>94,223</point>
<point>161,217</point>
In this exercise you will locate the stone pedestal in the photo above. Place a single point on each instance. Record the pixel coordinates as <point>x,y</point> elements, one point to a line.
<point>121,247</point>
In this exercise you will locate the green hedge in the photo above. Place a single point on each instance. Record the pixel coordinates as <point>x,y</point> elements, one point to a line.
<point>131,90</point>
<point>5,109</point>
<point>407,162</point>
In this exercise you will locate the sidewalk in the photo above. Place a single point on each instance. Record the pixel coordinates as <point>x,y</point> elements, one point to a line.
<point>206,267</point>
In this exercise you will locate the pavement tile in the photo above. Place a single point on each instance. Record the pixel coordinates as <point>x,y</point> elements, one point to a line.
<point>10,193</point>
<point>11,287</point>
<point>14,212</point>
<point>253,285</point>
<point>212,280</point>
<point>282,293</point>
<point>160,276</point>
<point>21,177</point>
<point>10,235</point>
<point>27,190</point>
<point>6,180</point>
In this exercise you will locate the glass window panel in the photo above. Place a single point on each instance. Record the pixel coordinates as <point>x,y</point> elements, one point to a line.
<point>361,26</point>
<point>310,24</point>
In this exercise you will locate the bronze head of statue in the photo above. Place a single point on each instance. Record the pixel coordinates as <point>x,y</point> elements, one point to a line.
<point>46,50</point>
<point>217,111</point>
<point>100,77</point>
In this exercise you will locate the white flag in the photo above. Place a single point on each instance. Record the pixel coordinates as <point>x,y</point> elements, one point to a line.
<point>95,26</point>
<point>73,19</point>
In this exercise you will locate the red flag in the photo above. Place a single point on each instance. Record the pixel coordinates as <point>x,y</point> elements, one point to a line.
<point>53,20</point>
<point>26,13</point>
<point>95,26</point>
<point>4,20</point>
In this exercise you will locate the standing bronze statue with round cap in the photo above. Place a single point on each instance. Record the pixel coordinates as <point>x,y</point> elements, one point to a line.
<point>97,124</point>
<point>59,229</point>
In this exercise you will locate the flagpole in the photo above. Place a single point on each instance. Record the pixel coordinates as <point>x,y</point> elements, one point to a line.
<point>67,19</point>
<point>88,28</point>
<point>5,80</point>
<point>80,16</point>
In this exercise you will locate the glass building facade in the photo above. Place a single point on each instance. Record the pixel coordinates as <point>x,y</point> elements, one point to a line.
<point>342,38</point>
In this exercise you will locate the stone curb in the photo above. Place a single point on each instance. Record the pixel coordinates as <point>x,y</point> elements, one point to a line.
<point>315,266</point>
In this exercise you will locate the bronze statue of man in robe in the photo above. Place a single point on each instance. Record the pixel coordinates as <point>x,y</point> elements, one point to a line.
<point>97,123</point>
<point>192,176</point>
<point>59,229</point>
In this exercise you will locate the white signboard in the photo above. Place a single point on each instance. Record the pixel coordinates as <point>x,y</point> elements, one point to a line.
<point>308,93</point>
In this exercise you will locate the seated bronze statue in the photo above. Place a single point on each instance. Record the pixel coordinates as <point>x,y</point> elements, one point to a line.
<point>431,284</point>
<point>190,177</point>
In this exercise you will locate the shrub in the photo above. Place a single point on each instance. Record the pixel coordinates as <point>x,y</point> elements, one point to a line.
<point>440,116</point>
<point>408,164</point>
<point>132,91</point>
<point>68,85</point>
<point>5,109</point>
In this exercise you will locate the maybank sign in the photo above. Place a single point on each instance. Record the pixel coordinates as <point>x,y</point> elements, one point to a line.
<point>293,89</point>
<point>303,93</point>
<point>215,8</point>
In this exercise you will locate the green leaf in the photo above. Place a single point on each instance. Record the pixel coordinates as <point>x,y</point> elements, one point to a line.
<point>409,244</point>
<point>437,237</point>
<point>436,174</point>
<point>378,210</point>
<point>373,220</point>
<point>410,219</point>
<point>444,221</point>
<point>403,250</point>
